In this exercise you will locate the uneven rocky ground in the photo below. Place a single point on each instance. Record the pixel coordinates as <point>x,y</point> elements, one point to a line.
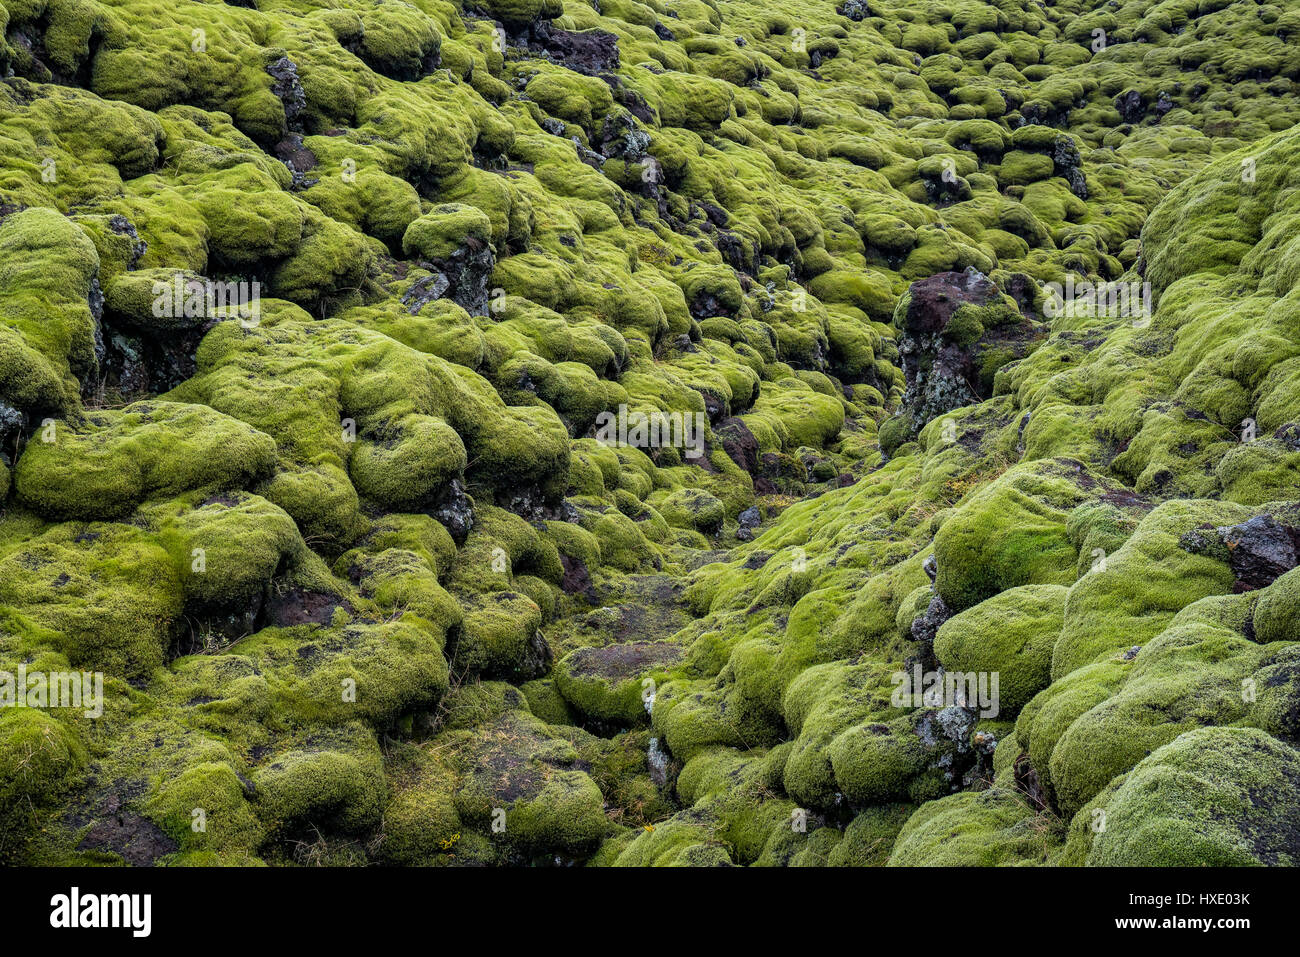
<point>366,585</point>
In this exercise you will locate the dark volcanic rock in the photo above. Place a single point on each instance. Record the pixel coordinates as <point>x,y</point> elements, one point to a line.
<point>537,658</point>
<point>11,426</point>
<point>577,579</point>
<point>583,51</point>
<point>1259,550</point>
<point>957,329</point>
<point>461,277</point>
<point>455,511</point>
<point>741,445</point>
<point>287,88</point>
<point>1066,163</point>
<point>424,291</point>
<point>1131,105</point>
<point>926,626</point>
<point>290,151</point>
<point>855,10</point>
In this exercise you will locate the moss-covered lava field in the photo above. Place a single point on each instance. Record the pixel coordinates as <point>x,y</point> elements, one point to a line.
<point>650,432</point>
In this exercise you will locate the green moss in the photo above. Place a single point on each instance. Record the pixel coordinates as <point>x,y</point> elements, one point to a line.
<point>46,324</point>
<point>421,826</point>
<point>519,784</point>
<point>869,838</point>
<point>1213,796</point>
<point>976,829</point>
<point>391,496</point>
<point>500,637</point>
<point>108,592</point>
<point>39,757</point>
<point>877,763</point>
<point>338,780</point>
<point>1130,597</point>
<point>1277,613</point>
<point>1011,635</point>
<point>224,822</point>
<point>111,461</point>
<point>444,229</point>
<point>615,684</point>
<point>1009,533</point>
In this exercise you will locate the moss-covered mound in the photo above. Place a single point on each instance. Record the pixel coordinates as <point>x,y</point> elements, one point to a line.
<point>675,432</point>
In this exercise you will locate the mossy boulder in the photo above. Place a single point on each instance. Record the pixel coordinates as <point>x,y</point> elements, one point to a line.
<point>615,684</point>
<point>1213,796</point>
<point>1012,635</point>
<point>976,829</point>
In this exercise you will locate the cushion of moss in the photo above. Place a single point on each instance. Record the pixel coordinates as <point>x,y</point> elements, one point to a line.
<point>684,840</point>
<point>1012,532</point>
<point>104,467</point>
<point>1277,614</point>
<point>333,777</point>
<point>516,764</point>
<point>372,671</point>
<point>1213,796</point>
<point>244,541</point>
<point>824,702</point>
<point>974,829</point>
<point>401,582</point>
<point>497,634</point>
<point>39,758</point>
<point>444,229</point>
<point>422,534</point>
<point>107,592</point>
<point>869,838</point>
<point>229,824</point>
<point>133,297</point>
<point>410,465</point>
<point>1050,713</point>
<point>1011,634</point>
<point>545,701</point>
<point>1142,585</point>
<point>1191,675</point>
<point>608,684</point>
<point>46,322</point>
<point>692,508</point>
<point>420,826</point>
<point>875,763</point>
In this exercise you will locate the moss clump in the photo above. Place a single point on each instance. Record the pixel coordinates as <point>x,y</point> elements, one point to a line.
<point>1213,796</point>
<point>976,829</point>
<point>338,779</point>
<point>615,684</point>
<point>40,757</point>
<point>112,461</point>
<point>421,826</point>
<point>519,782</point>
<point>444,229</point>
<point>1011,532</point>
<point>225,821</point>
<point>1013,635</point>
<point>107,592</point>
<point>47,325</point>
<point>501,637</point>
